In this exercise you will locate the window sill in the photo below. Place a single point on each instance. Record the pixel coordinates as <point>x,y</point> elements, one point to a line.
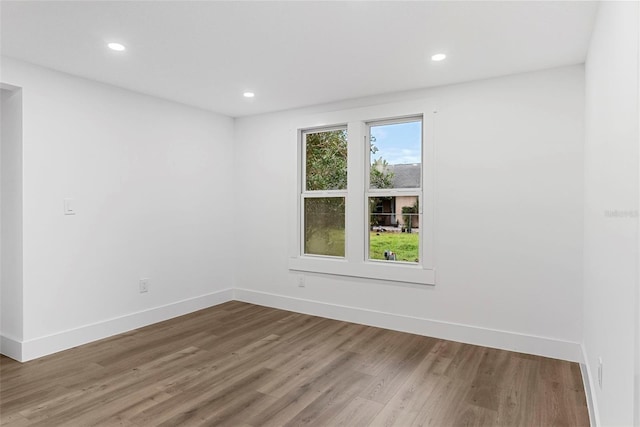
<point>392,272</point>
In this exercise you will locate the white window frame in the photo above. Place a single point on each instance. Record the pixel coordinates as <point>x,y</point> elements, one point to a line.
<point>356,262</point>
<point>310,194</point>
<point>393,192</point>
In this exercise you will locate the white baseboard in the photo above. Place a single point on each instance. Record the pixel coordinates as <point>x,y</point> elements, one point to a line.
<point>589,389</point>
<point>34,348</point>
<point>540,346</point>
<point>42,346</point>
<point>10,347</point>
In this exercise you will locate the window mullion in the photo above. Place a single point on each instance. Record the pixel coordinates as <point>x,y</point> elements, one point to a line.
<point>355,192</point>
<point>328,193</point>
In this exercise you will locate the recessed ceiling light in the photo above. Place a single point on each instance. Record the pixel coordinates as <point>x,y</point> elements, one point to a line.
<point>438,57</point>
<point>116,46</point>
<point>248,94</point>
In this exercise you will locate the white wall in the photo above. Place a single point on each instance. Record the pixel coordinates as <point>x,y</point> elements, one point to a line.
<point>151,181</point>
<point>509,229</point>
<point>637,352</point>
<point>611,185</point>
<point>10,220</point>
<point>169,192</point>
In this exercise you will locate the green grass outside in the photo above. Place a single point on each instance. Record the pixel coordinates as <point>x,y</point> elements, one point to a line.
<point>405,245</point>
<point>331,243</point>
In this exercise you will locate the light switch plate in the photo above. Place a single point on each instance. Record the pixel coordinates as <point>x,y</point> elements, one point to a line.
<point>69,207</point>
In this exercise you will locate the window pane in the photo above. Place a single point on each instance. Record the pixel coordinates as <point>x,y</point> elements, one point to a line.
<point>396,155</point>
<point>324,226</point>
<point>394,224</point>
<point>326,162</point>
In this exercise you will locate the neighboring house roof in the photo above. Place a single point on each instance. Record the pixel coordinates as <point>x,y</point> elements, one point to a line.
<point>405,176</point>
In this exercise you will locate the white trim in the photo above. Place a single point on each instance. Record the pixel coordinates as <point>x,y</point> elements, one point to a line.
<point>10,88</point>
<point>587,383</point>
<point>42,346</point>
<point>380,270</point>
<point>504,340</point>
<point>11,347</point>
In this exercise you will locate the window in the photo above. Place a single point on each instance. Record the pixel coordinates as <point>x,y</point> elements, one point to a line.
<point>364,194</point>
<point>325,189</point>
<point>395,186</point>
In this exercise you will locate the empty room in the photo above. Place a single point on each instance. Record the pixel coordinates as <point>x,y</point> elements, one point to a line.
<point>366,213</point>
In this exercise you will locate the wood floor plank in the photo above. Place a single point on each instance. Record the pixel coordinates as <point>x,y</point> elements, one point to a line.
<point>76,403</point>
<point>195,409</point>
<point>484,390</point>
<point>444,404</point>
<point>387,383</point>
<point>331,400</point>
<point>403,407</point>
<point>14,420</point>
<point>240,364</point>
<point>359,412</point>
<point>123,409</point>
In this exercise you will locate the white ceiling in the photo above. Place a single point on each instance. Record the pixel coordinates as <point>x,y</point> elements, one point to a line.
<point>292,54</point>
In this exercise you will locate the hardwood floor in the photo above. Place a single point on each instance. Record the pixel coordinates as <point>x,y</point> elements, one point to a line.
<point>239,364</point>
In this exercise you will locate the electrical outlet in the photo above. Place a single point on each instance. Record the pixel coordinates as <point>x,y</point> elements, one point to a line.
<point>600,372</point>
<point>144,285</point>
<point>301,283</point>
